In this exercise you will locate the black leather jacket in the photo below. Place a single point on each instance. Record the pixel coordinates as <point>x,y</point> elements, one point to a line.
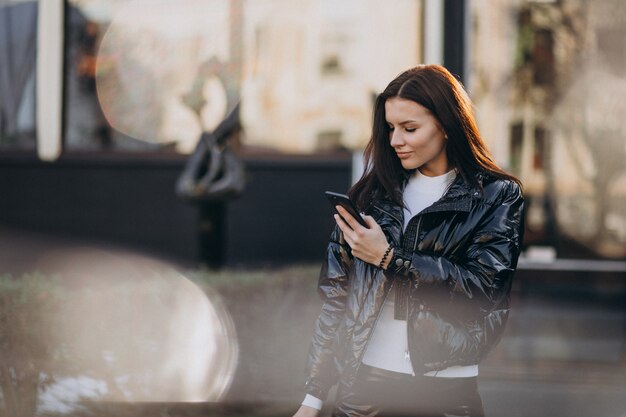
<point>453,267</point>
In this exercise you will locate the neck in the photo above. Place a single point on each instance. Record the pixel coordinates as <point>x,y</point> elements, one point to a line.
<point>430,171</point>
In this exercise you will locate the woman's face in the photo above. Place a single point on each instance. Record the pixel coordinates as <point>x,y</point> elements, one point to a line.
<point>416,137</point>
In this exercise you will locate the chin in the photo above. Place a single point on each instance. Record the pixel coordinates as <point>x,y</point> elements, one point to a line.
<point>408,165</point>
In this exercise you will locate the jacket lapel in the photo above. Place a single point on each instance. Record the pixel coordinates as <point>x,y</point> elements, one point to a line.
<point>459,197</point>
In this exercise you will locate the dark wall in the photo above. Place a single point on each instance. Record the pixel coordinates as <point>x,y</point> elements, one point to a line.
<point>283,215</point>
<point>129,200</point>
<point>111,199</point>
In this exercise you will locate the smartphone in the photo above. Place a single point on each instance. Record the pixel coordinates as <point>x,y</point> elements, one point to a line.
<point>344,201</point>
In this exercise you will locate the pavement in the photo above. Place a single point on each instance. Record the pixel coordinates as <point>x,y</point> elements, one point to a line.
<point>563,354</point>
<point>559,357</point>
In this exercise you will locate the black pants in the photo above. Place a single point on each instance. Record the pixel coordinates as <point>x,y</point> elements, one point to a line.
<point>381,393</point>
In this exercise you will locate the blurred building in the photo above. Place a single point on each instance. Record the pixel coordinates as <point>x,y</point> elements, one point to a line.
<point>549,76</point>
<point>115,94</point>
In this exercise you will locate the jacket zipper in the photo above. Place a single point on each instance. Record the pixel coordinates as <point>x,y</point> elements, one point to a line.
<point>417,232</point>
<point>407,354</point>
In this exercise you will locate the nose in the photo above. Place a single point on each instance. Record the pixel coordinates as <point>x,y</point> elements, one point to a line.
<point>396,138</point>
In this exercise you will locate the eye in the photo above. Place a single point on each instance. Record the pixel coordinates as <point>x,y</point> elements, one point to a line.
<point>411,129</point>
<point>391,128</point>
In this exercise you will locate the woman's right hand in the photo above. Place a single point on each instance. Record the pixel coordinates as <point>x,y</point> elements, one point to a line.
<point>305,411</point>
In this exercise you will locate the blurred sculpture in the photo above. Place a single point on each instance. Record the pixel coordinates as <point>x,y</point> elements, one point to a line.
<point>213,172</point>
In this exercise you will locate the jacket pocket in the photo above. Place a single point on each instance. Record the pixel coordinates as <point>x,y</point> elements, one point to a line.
<point>436,343</point>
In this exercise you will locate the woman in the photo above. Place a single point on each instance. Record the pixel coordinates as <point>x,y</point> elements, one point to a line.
<point>414,302</point>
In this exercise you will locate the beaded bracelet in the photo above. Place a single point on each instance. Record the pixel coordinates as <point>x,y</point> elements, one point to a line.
<point>382,261</point>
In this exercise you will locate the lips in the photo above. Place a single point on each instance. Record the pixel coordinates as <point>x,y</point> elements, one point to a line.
<point>403,155</point>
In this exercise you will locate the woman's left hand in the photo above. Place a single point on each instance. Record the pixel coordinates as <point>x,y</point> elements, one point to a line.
<point>369,245</point>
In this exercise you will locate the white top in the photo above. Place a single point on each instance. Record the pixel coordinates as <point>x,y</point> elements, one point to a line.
<point>422,191</point>
<point>388,345</point>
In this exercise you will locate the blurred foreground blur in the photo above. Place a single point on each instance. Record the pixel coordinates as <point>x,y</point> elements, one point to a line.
<point>99,332</point>
<point>84,323</point>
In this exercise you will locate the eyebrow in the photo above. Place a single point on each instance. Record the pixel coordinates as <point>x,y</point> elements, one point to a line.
<point>403,123</point>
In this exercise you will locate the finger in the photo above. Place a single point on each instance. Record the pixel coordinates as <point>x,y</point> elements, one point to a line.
<point>370,221</point>
<point>348,218</point>
<point>347,231</point>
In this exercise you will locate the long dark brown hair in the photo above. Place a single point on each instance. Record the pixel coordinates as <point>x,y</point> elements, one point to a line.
<point>433,87</point>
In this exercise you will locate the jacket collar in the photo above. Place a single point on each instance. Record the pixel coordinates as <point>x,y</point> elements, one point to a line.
<point>458,197</point>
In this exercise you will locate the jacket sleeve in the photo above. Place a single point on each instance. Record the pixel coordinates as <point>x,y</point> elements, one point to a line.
<point>332,288</point>
<point>483,276</point>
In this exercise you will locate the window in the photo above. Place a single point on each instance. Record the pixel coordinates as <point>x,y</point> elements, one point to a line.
<point>541,151</point>
<point>153,74</point>
<point>543,58</point>
<point>517,139</point>
<point>148,75</point>
<point>18,45</point>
